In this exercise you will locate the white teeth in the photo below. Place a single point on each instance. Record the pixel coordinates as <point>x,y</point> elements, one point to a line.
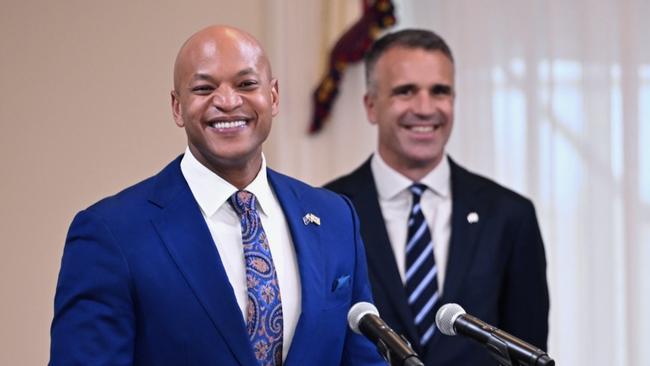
<point>229,124</point>
<point>422,128</point>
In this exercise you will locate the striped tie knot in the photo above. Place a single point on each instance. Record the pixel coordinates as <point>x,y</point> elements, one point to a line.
<point>417,189</point>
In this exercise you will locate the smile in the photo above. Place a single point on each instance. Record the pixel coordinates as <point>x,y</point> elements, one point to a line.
<point>223,125</point>
<point>424,129</point>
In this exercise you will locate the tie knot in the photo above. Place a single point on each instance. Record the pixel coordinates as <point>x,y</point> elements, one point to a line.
<point>242,201</point>
<point>417,189</point>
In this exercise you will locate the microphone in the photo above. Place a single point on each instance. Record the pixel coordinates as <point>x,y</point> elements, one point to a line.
<point>363,318</point>
<point>452,319</point>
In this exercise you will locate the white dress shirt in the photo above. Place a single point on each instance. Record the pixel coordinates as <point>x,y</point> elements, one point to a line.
<point>395,201</point>
<point>211,193</point>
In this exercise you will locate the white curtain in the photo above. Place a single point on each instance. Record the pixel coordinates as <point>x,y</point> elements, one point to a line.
<point>554,102</point>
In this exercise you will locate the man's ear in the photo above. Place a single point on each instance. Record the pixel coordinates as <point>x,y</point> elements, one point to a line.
<point>369,103</point>
<point>275,97</point>
<point>176,109</point>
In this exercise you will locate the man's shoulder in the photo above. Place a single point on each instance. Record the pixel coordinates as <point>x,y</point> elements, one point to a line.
<point>303,190</point>
<point>466,182</point>
<point>348,183</point>
<point>325,203</point>
<point>132,199</point>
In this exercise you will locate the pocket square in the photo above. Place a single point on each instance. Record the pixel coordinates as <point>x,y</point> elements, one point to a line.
<point>341,282</point>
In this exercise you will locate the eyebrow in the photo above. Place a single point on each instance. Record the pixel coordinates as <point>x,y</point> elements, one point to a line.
<point>200,76</point>
<point>442,88</point>
<point>438,87</point>
<point>403,87</point>
<point>208,77</point>
<point>246,71</point>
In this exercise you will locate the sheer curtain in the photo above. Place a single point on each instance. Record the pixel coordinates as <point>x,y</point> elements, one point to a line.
<point>554,102</point>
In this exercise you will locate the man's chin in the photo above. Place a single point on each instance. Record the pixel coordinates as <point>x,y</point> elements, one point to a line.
<point>424,160</point>
<point>235,157</point>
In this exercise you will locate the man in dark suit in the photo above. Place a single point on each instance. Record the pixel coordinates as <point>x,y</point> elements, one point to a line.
<point>434,232</point>
<point>216,260</point>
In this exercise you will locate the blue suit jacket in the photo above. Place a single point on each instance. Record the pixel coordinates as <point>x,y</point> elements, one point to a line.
<point>496,267</point>
<point>142,283</point>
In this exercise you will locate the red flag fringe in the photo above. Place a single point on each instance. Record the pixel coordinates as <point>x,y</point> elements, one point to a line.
<point>350,48</point>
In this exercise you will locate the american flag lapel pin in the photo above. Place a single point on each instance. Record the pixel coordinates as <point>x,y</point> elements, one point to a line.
<point>310,218</point>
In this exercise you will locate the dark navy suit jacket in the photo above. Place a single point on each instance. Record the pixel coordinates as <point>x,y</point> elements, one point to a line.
<point>142,283</point>
<point>496,267</point>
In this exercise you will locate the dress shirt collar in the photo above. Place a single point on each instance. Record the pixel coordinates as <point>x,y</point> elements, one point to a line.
<point>390,182</point>
<point>211,191</point>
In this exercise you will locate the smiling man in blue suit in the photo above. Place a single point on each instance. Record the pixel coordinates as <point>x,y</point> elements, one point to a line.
<point>216,260</point>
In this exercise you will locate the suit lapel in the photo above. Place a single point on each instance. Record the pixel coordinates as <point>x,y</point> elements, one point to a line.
<point>379,253</point>
<point>462,244</point>
<point>306,241</point>
<point>183,231</point>
<point>464,237</point>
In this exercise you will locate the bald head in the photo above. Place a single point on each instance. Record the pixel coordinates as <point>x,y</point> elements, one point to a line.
<point>225,99</point>
<point>215,42</point>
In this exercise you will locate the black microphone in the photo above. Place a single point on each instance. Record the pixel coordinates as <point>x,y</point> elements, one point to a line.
<point>509,350</point>
<point>363,318</point>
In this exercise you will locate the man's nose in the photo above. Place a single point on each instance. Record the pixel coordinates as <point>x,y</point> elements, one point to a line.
<point>424,104</point>
<point>226,99</point>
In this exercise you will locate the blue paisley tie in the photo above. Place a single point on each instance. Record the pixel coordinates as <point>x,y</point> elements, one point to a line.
<point>264,308</point>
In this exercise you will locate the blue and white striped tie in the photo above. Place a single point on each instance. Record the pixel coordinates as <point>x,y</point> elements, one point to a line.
<point>421,269</point>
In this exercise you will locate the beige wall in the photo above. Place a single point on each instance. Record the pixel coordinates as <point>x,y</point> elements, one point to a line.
<point>84,110</point>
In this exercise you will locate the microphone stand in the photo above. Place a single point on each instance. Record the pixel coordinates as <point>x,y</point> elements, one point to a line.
<point>396,359</point>
<point>499,350</point>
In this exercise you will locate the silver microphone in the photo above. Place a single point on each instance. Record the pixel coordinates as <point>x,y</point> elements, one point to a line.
<point>363,318</point>
<point>509,350</point>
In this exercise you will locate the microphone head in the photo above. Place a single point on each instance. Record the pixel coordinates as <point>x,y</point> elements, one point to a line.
<point>446,317</point>
<point>358,311</point>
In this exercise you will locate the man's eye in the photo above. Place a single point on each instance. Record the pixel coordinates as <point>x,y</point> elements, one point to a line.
<point>202,89</point>
<point>248,84</point>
